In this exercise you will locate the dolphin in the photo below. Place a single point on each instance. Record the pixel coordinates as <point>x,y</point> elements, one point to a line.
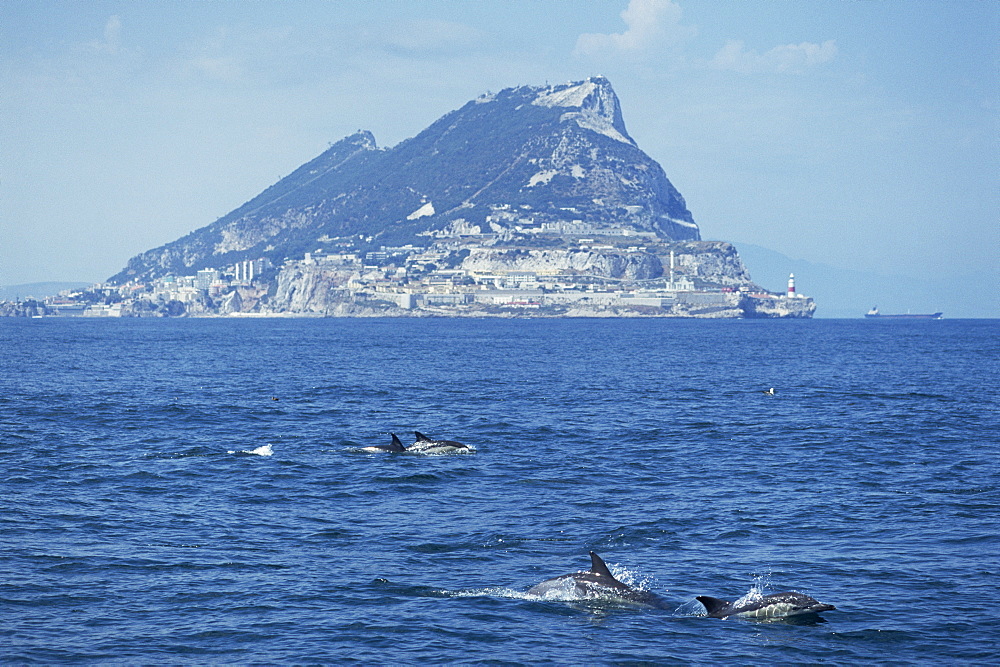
<point>430,446</point>
<point>597,582</point>
<point>395,446</point>
<point>776,605</point>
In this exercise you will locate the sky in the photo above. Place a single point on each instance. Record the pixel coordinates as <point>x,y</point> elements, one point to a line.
<point>860,134</point>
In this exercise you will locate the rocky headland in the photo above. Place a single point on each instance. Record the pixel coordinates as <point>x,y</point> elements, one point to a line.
<point>532,201</point>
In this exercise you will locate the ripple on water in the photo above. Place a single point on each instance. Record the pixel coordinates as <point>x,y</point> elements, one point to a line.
<point>143,527</point>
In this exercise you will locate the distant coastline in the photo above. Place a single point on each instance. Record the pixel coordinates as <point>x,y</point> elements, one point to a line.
<point>40,290</point>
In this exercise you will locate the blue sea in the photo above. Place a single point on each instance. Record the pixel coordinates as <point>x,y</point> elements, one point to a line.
<point>194,491</point>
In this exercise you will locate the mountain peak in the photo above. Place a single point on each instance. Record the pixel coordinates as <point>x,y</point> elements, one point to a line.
<point>361,139</point>
<point>578,94</point>
<point>595,106</point>
<point>553,159</point>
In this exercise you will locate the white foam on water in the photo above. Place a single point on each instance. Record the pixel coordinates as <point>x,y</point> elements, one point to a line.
<point>435,449</point>
<point>632,579</point>
<point>564,590</point>
<point>493,591</point>
<point>758,589</point>
<point>263,450</point>
<point>691,608</point>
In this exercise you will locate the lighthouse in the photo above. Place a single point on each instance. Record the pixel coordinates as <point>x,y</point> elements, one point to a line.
<point>791,286</point>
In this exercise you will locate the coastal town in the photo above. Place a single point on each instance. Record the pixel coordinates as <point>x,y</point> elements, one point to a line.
<point>589,277</point>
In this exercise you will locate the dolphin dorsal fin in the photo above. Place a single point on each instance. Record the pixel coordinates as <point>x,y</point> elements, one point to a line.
<point>712,604</point>
<point>421,437</point>
<point>396,442</point>
<point>598,566</point>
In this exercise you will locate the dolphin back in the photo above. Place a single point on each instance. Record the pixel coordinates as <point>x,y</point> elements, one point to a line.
<point>425,442</point>
<point>776,605</point>
<point>714,606</point>
<point>800,603</point>
<point>599,567</point>
<point>598,583</point>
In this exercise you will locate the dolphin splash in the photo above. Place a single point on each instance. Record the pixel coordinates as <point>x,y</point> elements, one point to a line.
<point>263,450</point>
<point>425,445</point>
<point>596,583</point>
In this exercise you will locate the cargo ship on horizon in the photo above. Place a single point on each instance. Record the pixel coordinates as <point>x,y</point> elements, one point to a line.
<point>908,316</point>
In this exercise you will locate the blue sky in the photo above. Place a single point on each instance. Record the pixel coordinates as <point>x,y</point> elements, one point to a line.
<point>859,134</point>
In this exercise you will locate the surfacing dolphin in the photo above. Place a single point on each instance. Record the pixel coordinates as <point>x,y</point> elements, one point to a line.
<point>427,445</point>
<point>395,446</point>
<point>599,583</point>
<point>776,605</point>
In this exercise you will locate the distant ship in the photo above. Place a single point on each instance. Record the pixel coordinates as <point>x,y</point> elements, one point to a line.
<point>908,316</point>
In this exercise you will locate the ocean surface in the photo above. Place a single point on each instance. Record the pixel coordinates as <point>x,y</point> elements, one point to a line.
<point>194,491</point>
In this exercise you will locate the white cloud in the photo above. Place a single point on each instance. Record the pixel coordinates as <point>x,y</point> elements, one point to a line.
<point>113,32</point>
<point>651,25</point>
<point>792,58</point>
<point>112,41</point>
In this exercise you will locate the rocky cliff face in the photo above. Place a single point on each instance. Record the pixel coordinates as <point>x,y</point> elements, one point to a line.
<point>709,264</point>
<point>309,289</point>
<point>712,264</point>
<point>604,264</point>
<point>759,307</point>
<point>533,156</point>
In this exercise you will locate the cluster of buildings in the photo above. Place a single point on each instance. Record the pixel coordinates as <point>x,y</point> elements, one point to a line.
<point>408,277</point>
<point>206,282</point>
<point>413,278</point>
<point>436,280</point>
<point>156,297</point>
